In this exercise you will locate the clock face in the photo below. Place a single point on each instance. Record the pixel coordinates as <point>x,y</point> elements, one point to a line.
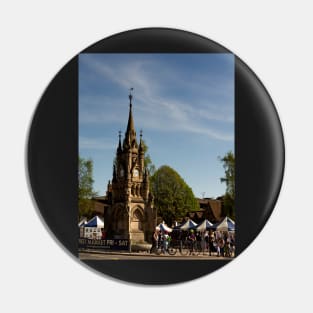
<point>136,173</point>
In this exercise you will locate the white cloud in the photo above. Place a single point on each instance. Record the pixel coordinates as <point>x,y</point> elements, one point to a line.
<point>155,110</point>
<point>96,144</point>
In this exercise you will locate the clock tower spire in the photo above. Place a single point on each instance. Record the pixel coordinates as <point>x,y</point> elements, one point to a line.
<point>132,213</point>
<point>130,134</point>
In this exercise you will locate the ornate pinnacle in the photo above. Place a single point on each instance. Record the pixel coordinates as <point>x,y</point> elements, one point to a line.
<point>119,149</point>
<point>141,143</point>
<point>130,96</point>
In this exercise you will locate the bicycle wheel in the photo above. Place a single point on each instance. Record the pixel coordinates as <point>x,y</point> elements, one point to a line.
<point>171,251</point>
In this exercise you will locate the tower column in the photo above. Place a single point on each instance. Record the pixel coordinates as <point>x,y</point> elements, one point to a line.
<point>130,189</point>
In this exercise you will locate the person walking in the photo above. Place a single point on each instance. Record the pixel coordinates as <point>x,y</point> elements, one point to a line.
<point>211,242</point>
<point>192,239</point>
<point>166,240</point>
<point>206,241</point>
<point>220,247</point>
<point>155,239</point>
<point>198,245</point>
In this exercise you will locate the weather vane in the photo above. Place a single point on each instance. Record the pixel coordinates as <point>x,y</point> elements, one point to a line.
<point>130,96</point>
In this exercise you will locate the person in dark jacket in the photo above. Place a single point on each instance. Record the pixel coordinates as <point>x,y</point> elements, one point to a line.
<point>155,240</point>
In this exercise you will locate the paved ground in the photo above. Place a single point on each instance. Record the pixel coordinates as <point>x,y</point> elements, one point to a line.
<point>143,256</point>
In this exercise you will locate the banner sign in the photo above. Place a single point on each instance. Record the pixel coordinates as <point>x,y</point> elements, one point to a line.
<point>103,244</point>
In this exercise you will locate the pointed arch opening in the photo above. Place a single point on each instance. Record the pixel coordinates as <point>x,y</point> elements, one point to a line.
<point>137,220</point>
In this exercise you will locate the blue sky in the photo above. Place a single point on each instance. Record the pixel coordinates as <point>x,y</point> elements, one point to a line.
<point>184,104</point>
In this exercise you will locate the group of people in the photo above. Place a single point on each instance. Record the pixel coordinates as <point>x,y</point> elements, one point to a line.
<point>214,242</point>
<point>160,239</point>
<point>221,242</point>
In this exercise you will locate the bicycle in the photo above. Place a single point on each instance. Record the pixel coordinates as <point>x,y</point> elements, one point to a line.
<point>170,249</point>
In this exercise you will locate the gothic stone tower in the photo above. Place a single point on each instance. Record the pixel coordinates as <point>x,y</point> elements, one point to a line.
<point>131,215</point>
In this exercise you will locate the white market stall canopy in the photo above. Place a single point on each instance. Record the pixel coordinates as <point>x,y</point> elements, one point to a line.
<point>190,224</point>
<point>227,224</point>
<point>205,225</point>
<point>95,222</point>
<point>163,227</point>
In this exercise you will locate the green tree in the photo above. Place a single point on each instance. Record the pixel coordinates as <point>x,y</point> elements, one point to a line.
<point>85,187</point>
<point>228,162</point>
<point>148,162</point>
<point>173,198</point>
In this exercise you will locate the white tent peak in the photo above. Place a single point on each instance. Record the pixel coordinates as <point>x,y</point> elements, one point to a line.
<point>95,222</point>
<point>163,227</point>
<point>204,225</point>
<point>225,224</point>
<point>189,224</point>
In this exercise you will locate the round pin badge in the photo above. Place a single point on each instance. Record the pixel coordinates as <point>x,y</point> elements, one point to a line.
<point>155,156</point>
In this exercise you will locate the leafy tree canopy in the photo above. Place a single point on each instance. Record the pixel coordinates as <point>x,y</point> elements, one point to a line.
<point>85,187</point>
<point>172,196</point>
<point>228,162</point>
<point>148,162</point>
